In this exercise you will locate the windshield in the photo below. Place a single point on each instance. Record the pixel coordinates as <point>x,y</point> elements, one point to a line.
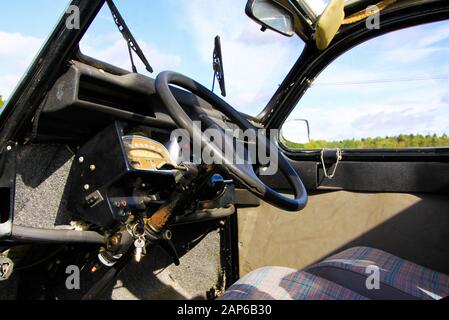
<point>179,36</point>
<point>21,37</point>
<point>318,6</point>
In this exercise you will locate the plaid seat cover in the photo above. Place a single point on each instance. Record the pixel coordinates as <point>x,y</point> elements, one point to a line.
<point>401,274</point>
<point>275,283</point>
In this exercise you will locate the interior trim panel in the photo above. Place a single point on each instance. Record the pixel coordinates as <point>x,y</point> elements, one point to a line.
<point>407,177</point>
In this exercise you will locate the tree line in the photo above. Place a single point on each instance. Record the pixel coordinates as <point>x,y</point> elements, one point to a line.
<point>1,102</point>
<point>395,142</point>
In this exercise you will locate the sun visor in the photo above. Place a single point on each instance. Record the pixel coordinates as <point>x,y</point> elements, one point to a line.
<point>368,12</point>
<point>329,23</point>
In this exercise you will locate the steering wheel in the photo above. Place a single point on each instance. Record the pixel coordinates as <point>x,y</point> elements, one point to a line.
<point>241,171</point>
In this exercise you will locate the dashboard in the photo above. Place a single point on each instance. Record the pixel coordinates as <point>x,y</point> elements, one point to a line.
<point>127,164</point>
<point>85,100</point>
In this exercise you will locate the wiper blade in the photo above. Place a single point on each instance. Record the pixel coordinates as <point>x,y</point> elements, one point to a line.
<point>131,41</point>
<point>218,67</point>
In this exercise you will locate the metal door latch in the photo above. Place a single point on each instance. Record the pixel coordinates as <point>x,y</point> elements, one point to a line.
<point>335,155</point>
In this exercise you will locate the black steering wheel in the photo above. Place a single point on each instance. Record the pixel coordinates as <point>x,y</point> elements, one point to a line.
<point>241,171</point>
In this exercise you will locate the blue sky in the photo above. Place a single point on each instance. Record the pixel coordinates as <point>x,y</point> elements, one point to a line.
<point>178,35</point>
<point>391,85</point>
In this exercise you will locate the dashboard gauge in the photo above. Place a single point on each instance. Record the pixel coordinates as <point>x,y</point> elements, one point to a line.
<point>146,154</point>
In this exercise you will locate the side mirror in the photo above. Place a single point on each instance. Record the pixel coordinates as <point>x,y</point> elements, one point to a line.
<point>271,15</point>
<point>295,132</point>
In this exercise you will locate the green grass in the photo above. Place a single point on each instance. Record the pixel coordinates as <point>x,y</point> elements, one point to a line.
<point>401,141</point>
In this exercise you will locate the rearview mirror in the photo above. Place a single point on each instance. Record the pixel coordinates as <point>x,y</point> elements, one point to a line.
<point>271,15</point>
<point>295,132</point>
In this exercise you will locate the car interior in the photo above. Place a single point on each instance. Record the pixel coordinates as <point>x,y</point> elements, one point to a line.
<point>92,174</point>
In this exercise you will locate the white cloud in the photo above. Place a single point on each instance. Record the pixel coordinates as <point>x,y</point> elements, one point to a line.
<point>17,45</point>
<point>16,54</point>
<point>415,108</point>
<point>440,33</point>
<point>412,53</point>
<point>255,62</point>
<point>318,5</point>
<point>399,48</point>
<point>7,84</point>
<point>112,48</point>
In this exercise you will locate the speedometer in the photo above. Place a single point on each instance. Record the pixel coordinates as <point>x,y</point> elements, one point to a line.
<point>146,154</point>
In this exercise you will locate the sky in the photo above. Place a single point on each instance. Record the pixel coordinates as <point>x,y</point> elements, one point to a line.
<point>387,86</point>
<point>174,35</point>
<point>391,85</point>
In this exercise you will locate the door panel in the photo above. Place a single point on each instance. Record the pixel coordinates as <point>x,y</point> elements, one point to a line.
<point>412,226</point>
<point>370,176</point>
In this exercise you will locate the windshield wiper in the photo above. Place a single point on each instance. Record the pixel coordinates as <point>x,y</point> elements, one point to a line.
<point>218,67</point>
<point>130,40</point>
